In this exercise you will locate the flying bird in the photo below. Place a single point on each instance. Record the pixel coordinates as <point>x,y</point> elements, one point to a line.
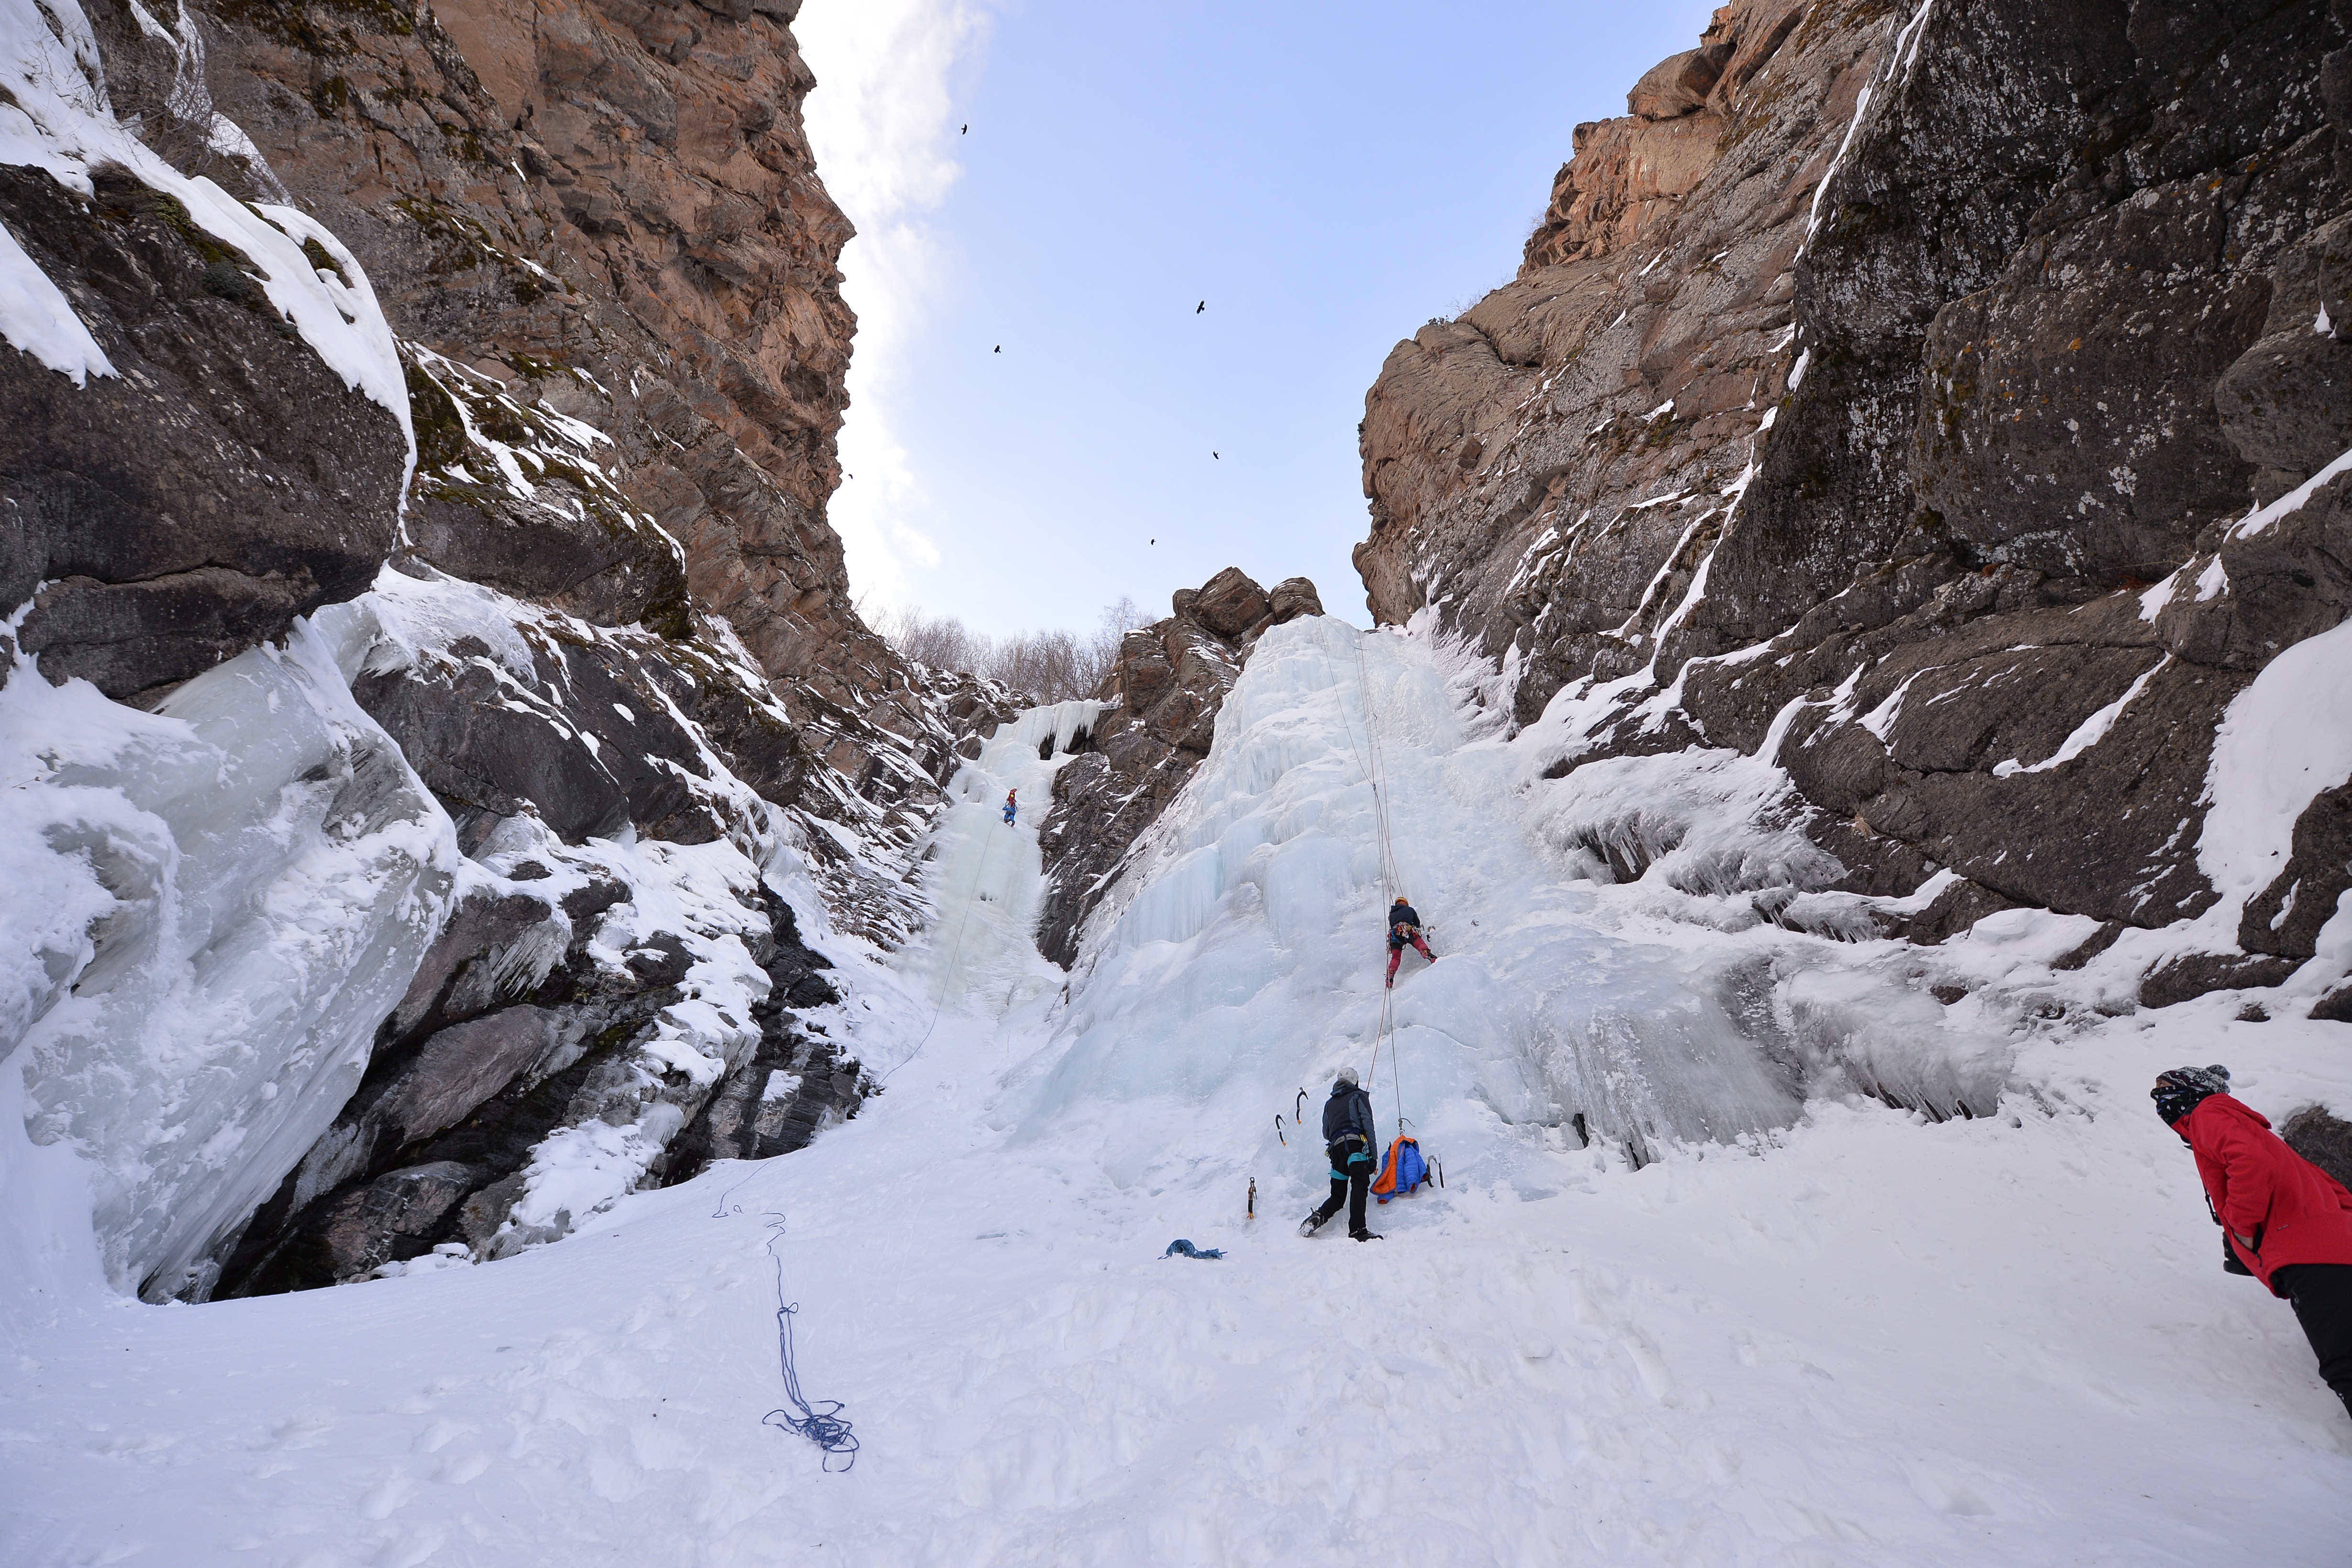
<point>965,131</point>
<point>997,350</point>
<point>1200,307</point>
<point>1214,455</point>
<point>1155,542</point>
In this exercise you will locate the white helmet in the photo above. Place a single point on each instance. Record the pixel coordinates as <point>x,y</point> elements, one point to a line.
<point>1346,1076</point>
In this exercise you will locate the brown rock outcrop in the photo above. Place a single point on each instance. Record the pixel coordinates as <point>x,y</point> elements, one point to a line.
<point>1558,457</point>
<point>1864,430</point>
<point>1164,690</point>
<point>1627,174</point>
<point>607,210</point>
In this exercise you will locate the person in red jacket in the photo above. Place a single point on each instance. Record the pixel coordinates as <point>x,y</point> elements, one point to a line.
<point>2289,1222</point>
<point>1404,926</point>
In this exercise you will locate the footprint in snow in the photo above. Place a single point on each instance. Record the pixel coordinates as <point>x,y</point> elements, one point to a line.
<point>463,1468</point>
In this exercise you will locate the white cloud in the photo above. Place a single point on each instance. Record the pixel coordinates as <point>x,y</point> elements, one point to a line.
<point>879,124</point>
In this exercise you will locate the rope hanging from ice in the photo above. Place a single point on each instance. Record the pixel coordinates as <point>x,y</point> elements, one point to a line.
<point>1376,774</point>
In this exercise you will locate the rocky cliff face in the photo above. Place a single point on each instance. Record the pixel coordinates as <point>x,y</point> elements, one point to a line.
<point>609,213</point>
<point>1161,700</point>
<point>225,481</point>
<point>1883,397</point>
<point>587,418</point>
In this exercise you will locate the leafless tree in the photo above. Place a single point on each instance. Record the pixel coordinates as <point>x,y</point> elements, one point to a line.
<point>943,642</point>
<point>1048,667</point>
<point>159,84</point>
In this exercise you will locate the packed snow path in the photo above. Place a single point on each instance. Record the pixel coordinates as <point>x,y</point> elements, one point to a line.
<point>1860,1338</point>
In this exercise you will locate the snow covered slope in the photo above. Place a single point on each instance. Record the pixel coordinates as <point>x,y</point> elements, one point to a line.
<point>1811,1328</point>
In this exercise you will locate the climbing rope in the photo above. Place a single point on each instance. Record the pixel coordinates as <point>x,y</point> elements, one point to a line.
<point>820,1422</point>
<point>1375,768</point>
<point>1380,777</point>
<point>1387,1033</point>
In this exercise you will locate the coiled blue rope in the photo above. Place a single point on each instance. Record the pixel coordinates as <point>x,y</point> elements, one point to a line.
<point>821,1422</point>
<point>822,1427</point>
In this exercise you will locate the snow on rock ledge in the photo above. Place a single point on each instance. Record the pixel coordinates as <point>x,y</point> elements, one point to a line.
<point>56,118</point>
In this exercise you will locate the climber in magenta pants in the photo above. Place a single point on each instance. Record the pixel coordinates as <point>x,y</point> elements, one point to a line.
<point>1404,926</point>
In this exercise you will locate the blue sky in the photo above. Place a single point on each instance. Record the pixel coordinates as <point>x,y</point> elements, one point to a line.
<point>1327,177</point>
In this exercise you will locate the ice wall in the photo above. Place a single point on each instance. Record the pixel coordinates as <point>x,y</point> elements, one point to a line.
<point>210,909</point>
<point>1606,969</point>
<point>986,879</point>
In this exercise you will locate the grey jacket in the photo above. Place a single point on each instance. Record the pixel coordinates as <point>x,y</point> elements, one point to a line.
<point>1349,1111</point>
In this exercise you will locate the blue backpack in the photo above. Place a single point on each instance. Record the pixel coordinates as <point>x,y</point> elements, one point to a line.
<point>1406,1170</point>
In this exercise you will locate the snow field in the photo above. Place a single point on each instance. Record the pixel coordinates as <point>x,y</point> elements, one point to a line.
<point>987,879</point>
<point>1882,1341</point>
<point>1851,1336</point>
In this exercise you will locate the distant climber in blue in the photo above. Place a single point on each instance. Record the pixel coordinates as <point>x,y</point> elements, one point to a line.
<point>1404,926</point>
<point>1350,1140</point>
<point>1012,805</point>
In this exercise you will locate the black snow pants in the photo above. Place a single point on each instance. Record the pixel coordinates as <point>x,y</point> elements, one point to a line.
<point>1351,1189</point>
<point>2322,1294</point>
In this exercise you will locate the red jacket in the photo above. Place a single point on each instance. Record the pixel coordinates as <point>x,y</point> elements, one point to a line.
<point>2293,1211</point>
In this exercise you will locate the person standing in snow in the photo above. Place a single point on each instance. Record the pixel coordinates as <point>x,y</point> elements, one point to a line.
<point>2288,1222</point>
<point>1349,1138</point>
<point>1012,803</point>
<point>1404,926</point>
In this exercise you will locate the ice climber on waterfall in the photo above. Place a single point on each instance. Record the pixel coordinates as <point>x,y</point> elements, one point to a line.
<point>2288,1222</point>
<point>1350,1140</point>
<point>1012,804</point>
<point>1404,926</point>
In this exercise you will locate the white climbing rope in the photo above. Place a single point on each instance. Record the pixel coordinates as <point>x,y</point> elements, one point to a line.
<point>1376,774</point>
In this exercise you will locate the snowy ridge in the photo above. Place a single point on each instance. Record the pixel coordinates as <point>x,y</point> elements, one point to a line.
<point>702,895</point>
<point>222,901</point>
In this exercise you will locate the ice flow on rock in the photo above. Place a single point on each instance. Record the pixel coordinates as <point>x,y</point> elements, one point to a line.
<point>1241,958</point>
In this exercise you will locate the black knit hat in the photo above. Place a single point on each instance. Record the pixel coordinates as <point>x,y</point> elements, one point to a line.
<point>2183,1090</point>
